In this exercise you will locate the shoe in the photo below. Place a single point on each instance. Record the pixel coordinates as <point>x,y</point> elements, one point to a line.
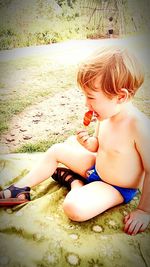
<point>61,174</point>
<point>13,199</point>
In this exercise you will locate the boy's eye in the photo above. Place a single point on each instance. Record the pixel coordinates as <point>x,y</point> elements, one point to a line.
<point>90,97</point>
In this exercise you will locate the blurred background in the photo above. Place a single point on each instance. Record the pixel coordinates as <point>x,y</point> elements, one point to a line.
<point>37,22</point>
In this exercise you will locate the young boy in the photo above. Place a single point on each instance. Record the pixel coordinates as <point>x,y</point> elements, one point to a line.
<point>104,170</point>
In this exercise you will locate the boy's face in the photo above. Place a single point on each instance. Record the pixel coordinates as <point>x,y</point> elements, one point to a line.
<point>102,106</point>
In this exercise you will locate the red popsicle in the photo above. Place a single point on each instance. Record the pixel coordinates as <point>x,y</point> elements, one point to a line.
<point>87,117</point>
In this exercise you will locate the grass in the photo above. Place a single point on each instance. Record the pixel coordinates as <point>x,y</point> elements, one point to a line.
<point>34,22</point>
<point>42,145</point>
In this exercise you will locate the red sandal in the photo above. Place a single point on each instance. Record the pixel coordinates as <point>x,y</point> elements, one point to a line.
<point>15,192</point>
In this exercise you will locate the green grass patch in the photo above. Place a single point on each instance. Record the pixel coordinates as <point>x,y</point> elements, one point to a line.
<point>43,145</point>
<point>40,146</point>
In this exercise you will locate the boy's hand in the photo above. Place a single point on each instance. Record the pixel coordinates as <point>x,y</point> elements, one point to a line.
<point>136,221</point>
<point>82,136</point>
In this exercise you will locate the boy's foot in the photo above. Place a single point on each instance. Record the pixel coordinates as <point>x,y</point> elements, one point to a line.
<point>13,195</point>
<point>65,177</point>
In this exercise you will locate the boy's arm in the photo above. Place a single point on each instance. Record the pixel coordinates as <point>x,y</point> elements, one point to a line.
<point>144,203</point>
<point>138,220</point>
<point>89,142</point>
<point>143,146</point>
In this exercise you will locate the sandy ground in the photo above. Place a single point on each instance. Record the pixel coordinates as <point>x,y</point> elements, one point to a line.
<point>55,115</point>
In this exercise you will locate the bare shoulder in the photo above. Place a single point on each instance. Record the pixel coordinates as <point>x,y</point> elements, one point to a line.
<point>140,118</point>
<point>140,123</point>
<point>141,129</point>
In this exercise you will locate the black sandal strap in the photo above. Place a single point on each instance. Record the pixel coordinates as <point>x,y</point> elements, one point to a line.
<point>69,182</point>
<point>60,178</point>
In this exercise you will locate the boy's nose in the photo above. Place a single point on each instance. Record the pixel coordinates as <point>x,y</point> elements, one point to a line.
<point>87,105</point>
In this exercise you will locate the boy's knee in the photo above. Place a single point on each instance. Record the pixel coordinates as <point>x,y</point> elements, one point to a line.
<point>73,210</point>
<point>55,148</point>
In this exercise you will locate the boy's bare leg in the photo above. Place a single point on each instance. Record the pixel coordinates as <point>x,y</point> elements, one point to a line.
<point>90,200</point>
<point>83,202</point>
<point>71,156</point>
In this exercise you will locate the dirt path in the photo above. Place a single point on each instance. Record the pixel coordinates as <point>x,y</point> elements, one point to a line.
<point>53,116</point>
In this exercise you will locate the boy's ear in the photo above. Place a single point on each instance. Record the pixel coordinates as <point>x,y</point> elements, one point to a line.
<point>123,96</point>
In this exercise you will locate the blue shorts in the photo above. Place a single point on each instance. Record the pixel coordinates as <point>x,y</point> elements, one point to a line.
<point>127,193</point>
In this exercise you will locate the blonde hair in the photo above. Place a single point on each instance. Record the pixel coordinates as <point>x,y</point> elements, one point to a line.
<point>115,67</point>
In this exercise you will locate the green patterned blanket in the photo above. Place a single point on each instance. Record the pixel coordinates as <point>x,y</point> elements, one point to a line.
<point>39,234</point>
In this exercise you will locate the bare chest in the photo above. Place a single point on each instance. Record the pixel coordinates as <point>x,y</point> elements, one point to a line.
<point>115,138</point>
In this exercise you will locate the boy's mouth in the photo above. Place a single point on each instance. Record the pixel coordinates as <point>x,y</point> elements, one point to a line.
<point>95,114</point>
